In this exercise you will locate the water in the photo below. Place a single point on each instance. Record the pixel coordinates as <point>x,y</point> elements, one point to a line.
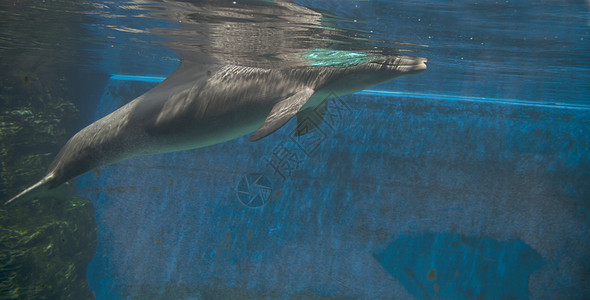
<point>468,180</point>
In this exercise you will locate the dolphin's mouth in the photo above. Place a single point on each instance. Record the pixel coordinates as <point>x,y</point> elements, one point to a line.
<point>403,64</point>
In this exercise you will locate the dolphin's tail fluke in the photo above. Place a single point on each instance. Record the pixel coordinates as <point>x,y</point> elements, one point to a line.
<point>42,185</point>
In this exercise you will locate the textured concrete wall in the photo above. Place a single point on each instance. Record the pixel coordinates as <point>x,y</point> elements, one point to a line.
<point>388,198</point>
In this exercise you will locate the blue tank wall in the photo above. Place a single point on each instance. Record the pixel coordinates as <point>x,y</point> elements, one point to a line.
<point>391,197</point>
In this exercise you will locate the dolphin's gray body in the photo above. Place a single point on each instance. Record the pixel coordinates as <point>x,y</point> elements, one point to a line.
<point>201,105</point>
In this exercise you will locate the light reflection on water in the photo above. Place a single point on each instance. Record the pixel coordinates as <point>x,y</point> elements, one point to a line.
<point>250,33</point>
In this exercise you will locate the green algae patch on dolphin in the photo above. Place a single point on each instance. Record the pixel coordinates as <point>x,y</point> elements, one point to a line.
<point>337,58</point>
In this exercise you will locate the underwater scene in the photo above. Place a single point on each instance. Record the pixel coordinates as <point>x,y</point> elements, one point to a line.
<point>312,149</point>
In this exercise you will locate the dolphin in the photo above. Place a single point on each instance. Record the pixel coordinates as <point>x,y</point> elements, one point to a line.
<point>209,100</point>
<point>198,106</point>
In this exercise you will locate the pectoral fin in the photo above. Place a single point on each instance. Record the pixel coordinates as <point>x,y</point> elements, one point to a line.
<point>281,113</point>
<point>310,118</point>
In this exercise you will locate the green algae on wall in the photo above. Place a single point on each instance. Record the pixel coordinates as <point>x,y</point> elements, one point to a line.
<point>45,246</point>
<point>33,126</point>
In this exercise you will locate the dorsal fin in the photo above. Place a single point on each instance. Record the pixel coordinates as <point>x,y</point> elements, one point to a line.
<point>281,113</point>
